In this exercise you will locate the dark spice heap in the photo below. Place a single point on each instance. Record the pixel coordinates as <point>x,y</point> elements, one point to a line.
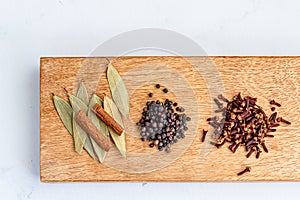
<point>244,124</point>
<point>161,125</point>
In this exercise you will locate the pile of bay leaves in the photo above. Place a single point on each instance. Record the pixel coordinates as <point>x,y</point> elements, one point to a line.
<point>117,107</point>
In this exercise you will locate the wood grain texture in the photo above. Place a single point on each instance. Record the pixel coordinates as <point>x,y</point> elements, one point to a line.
<point>262,77</point>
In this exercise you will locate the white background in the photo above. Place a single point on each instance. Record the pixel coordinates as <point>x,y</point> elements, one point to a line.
<point>30,29</point>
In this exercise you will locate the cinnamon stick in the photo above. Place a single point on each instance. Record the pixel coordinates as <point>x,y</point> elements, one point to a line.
<point>107,119</point>
<point>87,125</point>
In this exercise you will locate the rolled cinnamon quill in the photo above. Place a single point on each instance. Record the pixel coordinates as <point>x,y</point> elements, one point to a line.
<point>87,125</point>
<point>107,119</point>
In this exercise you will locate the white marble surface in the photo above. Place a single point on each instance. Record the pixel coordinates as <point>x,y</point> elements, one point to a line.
<point>30,29</point>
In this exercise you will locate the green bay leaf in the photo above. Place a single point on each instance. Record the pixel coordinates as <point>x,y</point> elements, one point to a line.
<point>78,143</point>
<point>82,93</point>
<point>77,105</point>
<point>112,109</point>
<point>118,90</point>
<point>64,111</point>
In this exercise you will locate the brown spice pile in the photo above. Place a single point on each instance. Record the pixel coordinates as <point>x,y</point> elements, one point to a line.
<point>244,123</point>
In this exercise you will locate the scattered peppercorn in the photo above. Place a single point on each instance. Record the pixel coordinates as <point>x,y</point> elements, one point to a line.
<point>168,150</point>
<point>157,86</point>
<point>150,94</point>
<point>165,90</point>
<point>151,145</point>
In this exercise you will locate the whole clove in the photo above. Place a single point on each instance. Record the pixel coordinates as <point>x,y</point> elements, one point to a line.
<point>247,169</point>
<point>204,135</point>
<point>280,119</point>
<point>264,147</point>
<point>250,152</point>
<point>219,104</point>
<point>273,117</point>
<point>215,118</point>
<point>221,97</point>
<point>273,102</point>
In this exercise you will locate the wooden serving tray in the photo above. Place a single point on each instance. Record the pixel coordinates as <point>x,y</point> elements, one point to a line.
<point>262,77</point>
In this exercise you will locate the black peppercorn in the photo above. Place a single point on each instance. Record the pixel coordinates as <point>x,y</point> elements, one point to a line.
<point>157,86</point>
<point>151,145</point>
<point>188,119</point>
<point>150,94</point>
<point>168,150</point>
<point>165,90</point>
<point>143,134</point>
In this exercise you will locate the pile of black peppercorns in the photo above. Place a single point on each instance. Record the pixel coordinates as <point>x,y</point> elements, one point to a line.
<point>161,125</point>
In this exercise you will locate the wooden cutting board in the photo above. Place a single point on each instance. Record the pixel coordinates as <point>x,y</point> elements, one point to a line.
<point>192,81</point>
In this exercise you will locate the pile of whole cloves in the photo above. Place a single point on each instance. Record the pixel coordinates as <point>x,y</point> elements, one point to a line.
<point>244,123</point>
<point>162,123</point>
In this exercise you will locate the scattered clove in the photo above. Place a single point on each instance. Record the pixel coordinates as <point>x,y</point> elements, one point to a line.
<point>280,119</point>
<point>273,102</point>
<point>247,169</point>
<point>204,135</point>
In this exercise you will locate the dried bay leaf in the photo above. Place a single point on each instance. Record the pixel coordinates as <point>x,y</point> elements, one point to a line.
<point>112,109</point>
<point>89,147</point>
<point>78,105</point>
<point>77,140</point>
<point>64,111</point>
<point>118,90</point>
<point>82,93</point>
<point>100,153</point>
